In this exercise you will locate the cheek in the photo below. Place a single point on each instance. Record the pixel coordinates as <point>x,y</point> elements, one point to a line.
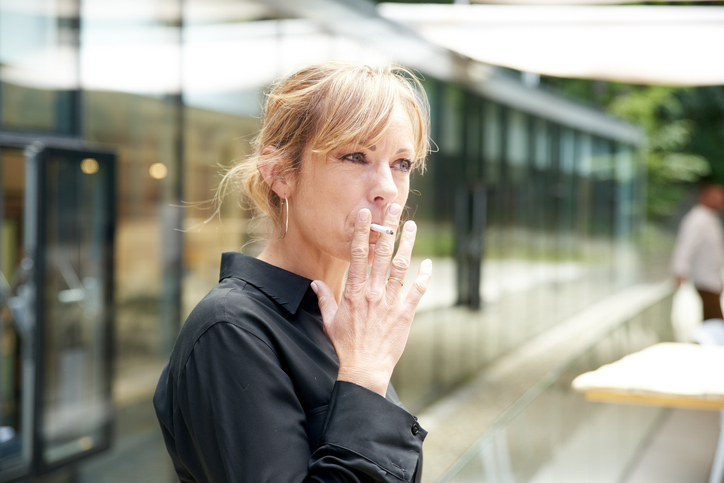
<point>403,190</point>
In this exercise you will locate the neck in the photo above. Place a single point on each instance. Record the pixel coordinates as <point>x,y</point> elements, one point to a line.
<point>312,264</point>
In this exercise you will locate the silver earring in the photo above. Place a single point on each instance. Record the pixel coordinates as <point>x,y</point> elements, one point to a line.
<point>286,222</point>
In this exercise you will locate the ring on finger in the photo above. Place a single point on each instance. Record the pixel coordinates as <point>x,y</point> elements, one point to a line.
<point>402,282</point>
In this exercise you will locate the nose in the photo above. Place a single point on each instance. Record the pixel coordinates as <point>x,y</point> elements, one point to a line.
<point>383,189</point>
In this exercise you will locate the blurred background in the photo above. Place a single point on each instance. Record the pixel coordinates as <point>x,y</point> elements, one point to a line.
<point>570,140</point>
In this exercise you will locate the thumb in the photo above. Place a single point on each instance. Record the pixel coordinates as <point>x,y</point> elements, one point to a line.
<point>327,303</point>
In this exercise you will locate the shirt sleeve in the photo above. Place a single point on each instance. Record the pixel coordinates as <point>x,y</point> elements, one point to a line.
<point>245,423</point>
<point>687,239</point>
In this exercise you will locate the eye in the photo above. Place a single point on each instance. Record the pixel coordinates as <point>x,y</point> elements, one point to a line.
<point>355,158</point>
<point>403,165</point>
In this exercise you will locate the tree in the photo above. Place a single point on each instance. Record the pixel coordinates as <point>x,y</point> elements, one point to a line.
<point>684,129</point>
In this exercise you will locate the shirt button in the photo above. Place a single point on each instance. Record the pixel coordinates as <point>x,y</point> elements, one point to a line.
<point>415,428</point>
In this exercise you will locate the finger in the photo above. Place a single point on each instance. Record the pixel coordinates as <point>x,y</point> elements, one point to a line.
<point>327,303</point>
<point>401,262</point>
<point>420,286</point>
<point>384,248</point>
<point>357,274</point>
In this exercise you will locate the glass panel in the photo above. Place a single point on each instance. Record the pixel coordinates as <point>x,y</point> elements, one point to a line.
<point>553,434</point>
<point>74,263</point>
<point>584,206</point>
<point>222,115</point>
<point>451,136</point>
<point>131,52</point>
<point>492,141</point>
<point>517,147</point>
<point>603,194</point>
<point>542,148</point>
<point>568,155</point>
<point>517,241</point>
<point>131,46</point>
<point>473,139</point>
<point>626,259</point>
<point>14,414</point>
<point>492,152</point>
<point>565,191</point>
<point>39,72</point>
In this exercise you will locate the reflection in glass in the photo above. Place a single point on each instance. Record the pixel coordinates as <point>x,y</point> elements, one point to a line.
<point>131,46</point>
<point>13,416</point>
<point>492,141</point>
<point>553,434</point>
<point>38,65</point>
<point>76,405</point>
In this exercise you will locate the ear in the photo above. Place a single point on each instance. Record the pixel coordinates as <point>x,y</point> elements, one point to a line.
<point>270,172</point>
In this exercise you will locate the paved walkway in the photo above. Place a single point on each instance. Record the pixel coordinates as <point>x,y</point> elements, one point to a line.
<point>681,451</point>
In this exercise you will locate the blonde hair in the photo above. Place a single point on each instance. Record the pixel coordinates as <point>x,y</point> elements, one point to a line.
<point>322,107</point>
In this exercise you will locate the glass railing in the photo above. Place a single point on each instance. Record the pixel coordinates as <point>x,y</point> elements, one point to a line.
<point>553,434</point>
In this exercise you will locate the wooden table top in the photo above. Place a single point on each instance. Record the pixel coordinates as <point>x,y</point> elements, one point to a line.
<point>666,374</point>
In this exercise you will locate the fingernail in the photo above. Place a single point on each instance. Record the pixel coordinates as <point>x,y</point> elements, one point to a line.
<point>427,264</point>
<point>410,226</point>
<point>364,214</point>
<point>394,209</point>
<point>314,287</point>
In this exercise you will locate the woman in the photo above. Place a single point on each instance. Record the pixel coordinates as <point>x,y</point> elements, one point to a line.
<point>281,373</point>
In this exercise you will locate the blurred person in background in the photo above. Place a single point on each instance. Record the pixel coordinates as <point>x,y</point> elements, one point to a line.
<point>699,249</point>
<point>282,372</point>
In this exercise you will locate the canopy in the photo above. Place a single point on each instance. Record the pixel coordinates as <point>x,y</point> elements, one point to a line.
<point>674,45</point>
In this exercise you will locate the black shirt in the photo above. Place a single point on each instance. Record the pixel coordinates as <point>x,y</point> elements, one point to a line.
<point>250,392</point>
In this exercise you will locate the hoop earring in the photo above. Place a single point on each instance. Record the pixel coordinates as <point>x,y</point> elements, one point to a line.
<point>286,222</point>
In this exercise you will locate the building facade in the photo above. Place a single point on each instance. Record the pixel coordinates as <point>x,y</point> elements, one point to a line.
<point>116,120</point>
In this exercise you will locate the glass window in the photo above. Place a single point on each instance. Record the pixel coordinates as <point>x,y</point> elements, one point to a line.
<point>517,137</point>
<point>492,141</point>
<point>14,433</point>
<point>473,138</point>
<point>451,128</point>
<point>430,193</point>
<point>584,194</point>
<point>131,47</point>
<point>542,145</point>
<point>75,234</point>
<point>232,51</point>
<point>131,77</point>
<point>585,163</point>
<point>625,192</point>
<point>39,59</point>
<point>627,261</point>
<point>568,154</point>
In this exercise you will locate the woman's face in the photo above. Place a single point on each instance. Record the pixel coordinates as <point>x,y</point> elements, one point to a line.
<point>331,189</point>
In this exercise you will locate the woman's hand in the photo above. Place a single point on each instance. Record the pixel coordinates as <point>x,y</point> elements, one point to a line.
<point>369,328</point>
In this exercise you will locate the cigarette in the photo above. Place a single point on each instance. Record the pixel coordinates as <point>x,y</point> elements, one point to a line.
<point>381,229</point>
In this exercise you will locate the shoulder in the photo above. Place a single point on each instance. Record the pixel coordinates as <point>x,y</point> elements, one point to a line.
<point>696,217</point>
<point>233,305</point>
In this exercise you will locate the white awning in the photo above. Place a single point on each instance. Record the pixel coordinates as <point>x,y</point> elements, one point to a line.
<point>675,45</point>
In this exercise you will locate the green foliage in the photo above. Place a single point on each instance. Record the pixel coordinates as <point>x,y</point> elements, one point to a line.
<point>670,164</point>
<point>684,129</point>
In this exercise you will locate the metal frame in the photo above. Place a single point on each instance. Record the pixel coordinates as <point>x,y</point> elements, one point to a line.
<point>37,149</point>
<point>39,160</point>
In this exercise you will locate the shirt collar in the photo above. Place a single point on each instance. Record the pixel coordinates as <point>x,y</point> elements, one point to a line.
<point>285,288</point>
